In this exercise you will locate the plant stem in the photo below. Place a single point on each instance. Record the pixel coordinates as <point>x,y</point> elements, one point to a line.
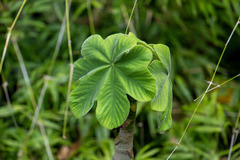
<point>129,21</point>
<point>9,35</point>
<point>237,121</point>
<point>39,106</point>
<point>45,140</point>
<point>218,86</point>
<point>124,140</point>
<point>231,146</point>
<point>67,100</point>
<point>90,17</point>
<point>71,67</point>
<point>225,46</point>
<point>4,85</point>
<point>207,90</point>
<point>235,133</point>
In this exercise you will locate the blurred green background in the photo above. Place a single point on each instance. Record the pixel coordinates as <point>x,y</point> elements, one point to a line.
<point>195,31</point>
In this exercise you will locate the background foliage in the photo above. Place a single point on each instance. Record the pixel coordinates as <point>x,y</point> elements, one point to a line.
<point>195,32</point>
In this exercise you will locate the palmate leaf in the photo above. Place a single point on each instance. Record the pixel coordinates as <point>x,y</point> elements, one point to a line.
<point>110,69</point>
<point>162,101</point>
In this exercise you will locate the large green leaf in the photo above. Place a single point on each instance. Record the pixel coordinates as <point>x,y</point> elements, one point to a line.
<point>109,70</point>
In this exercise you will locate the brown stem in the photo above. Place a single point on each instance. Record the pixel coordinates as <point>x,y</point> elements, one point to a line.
<point>124,140</point>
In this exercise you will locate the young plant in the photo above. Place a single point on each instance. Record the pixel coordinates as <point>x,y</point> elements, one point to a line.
<point>117,72</point>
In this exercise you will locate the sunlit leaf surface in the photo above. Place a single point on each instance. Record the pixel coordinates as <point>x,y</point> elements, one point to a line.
<point>109,70</point>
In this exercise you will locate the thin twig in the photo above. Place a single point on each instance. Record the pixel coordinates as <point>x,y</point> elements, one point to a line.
<point>135,3</point>
<point>71,68</point>
<point>231,146</point>
<point>218,86</point>
<point>207,90</point>
<point>238,116</point>
<point>90,17</point>
<point>225,46</point>
<point>68,32</point>
<point>4,85</point>
<point>5,50</point>
<point>68,93</point>
<point>126,19</point>
<point>9,35</point>
<point>189,122</point>
<point>172,152</point>
<point>45,140</point>
<point>40,101</point>
<point>235,133</point>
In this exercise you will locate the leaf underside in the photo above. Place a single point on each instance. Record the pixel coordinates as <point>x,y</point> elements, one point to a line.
<point>162,101</point>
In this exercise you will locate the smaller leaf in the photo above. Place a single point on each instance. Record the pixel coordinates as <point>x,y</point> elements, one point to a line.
<point>163,98</point>
<point>163,53</point>
<point>166,119</point>
<point>138,40</point>
<point>160,101</point>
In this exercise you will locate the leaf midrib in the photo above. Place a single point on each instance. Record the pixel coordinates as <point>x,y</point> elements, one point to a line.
<point>94,70</point>
<point>129,78</point>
